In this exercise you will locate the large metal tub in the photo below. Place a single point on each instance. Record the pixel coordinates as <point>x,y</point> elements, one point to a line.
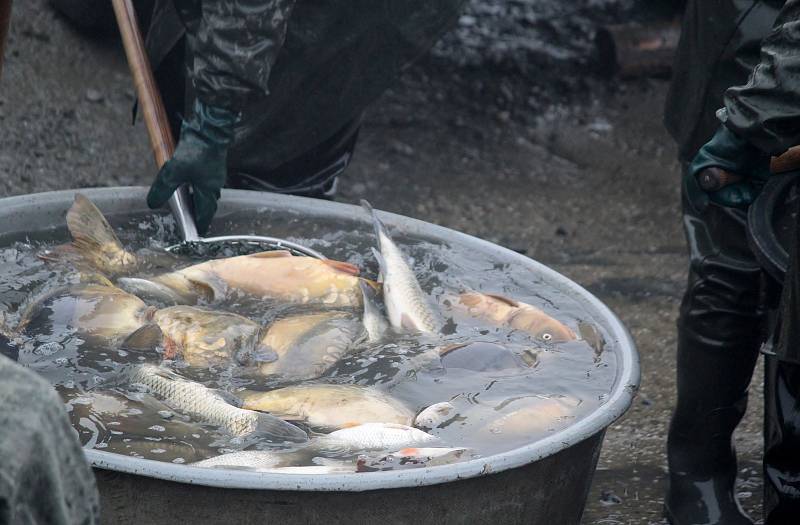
<point>546,482</point>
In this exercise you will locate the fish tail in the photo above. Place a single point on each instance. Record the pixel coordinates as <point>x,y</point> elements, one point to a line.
<point>380,229</point>
<point>278,429</point>
<point>91,232</point>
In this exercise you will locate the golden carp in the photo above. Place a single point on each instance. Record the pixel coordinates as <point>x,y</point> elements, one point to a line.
<point>503,311</point>
<point>533,416</point>
<point>329,406</point>
<point>204,337</point>
<point>308,345</point>
<point>97,312</point>
<point>274,275</point>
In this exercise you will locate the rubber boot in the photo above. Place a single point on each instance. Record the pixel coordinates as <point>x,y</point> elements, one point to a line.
<point>719,334</point>
<point>782,442</point>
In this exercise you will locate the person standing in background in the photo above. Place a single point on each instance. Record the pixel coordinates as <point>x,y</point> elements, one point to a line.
<point>721,322</point>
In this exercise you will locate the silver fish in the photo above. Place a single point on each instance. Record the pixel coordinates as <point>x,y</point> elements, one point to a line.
<point>375,436</point>
<point>211,406</point>
<point>412,458</point>
<point>435,415</point>
<point>405,301</point>
<point>250,459</point>
<point>375,323</point>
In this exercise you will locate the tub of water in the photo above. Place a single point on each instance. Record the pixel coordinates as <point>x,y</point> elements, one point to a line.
<point>143,454</point>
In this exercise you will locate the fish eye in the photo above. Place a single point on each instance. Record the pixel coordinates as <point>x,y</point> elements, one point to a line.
<point>547,337</point>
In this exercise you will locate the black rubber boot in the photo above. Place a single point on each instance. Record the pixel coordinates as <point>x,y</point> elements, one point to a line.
<point>782,442</point>
<point>719,334</point>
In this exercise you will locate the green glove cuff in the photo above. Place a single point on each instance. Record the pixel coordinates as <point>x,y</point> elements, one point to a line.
<point>211,124</point>
<point>732,153</point>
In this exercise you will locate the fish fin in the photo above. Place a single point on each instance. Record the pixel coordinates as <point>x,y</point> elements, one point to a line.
<point>374,285</point>
<point>381,263</point>
<point>593,337</point>
<point>344,267</point>
<point>504,299</point>
<point>147,337</point>
<point>272,254</point>
<point>380,228</point>
<point>63,253</point>
<point>279,429</point>
<point>260,355</point>
<point>231,399</point>
<point>408,323</point>
<point>91,233</point>
<point>95,278</point>
<point>212,288</point>
<point>443,351</point>
<point>150,290</point>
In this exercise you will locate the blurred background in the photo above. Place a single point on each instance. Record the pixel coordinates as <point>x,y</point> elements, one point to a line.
<point>535,124</point>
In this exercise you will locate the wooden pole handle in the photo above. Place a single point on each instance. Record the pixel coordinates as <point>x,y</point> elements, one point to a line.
<point>5,20</point>
<point>789,161</point>
<point>150,103</point>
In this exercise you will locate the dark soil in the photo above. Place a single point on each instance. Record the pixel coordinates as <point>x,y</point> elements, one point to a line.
<point>506,132</point>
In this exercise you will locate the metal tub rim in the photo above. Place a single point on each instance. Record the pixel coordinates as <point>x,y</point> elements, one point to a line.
<point>617,403</point>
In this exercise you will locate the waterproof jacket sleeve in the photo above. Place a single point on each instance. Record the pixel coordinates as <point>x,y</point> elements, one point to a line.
<point>235,45</point>
<point>766,110</point>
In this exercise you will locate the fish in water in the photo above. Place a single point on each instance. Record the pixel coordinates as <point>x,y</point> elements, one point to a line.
<point>276,275</point>
<point>94,312</point>
<point>412,458</point>
<point>307,345</point>
<point>94,242</point>
<point>329,406</point>
<point>375,324</point>
<point>201,337</point>
<point>532,416</point>
<point>480,356</point>
<point>374,436</point>
<point>502,311</point>
<point>248,459</point>
<point>435,415</point>
<point>96,248</point>
<point>406,304</point>
<point>211,406</point>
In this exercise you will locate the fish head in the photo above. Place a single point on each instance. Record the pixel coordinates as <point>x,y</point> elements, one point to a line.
<point>206,337</point>
<point>543,327</point>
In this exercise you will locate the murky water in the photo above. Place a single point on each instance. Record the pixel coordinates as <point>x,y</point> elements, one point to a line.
<point>507,388</point>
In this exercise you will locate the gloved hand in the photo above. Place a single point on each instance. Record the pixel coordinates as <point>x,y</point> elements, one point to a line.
<point>200,160</point>
<point>737,156</point>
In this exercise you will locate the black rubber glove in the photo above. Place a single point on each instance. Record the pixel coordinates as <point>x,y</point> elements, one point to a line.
<point>200,160</point>
<point>733,154</point>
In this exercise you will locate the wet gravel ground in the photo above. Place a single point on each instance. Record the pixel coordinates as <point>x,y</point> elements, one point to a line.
<point>574,171</point>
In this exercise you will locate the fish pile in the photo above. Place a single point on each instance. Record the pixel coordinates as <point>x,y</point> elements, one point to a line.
<point>160,322</point>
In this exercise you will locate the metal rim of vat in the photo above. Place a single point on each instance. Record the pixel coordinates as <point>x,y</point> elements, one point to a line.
<point>131,199</point>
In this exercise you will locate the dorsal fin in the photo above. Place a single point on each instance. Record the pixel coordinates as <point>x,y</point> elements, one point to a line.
<point>145,338</point>
<point>344,267</point>
<point>504,299</point>
<point>272,254</point>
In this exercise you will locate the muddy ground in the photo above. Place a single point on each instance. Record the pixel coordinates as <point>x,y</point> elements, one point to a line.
<point>546,158</point>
